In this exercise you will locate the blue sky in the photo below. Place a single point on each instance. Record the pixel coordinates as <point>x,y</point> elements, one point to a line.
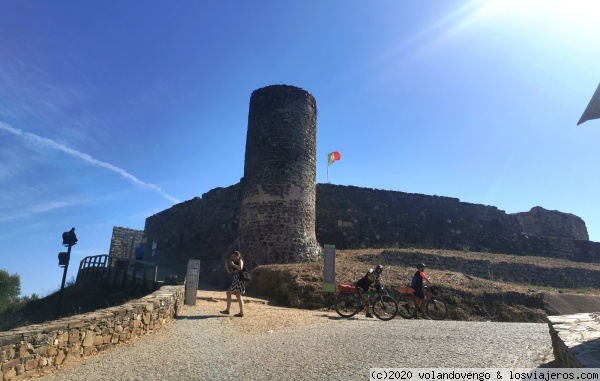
<point>112,111</point>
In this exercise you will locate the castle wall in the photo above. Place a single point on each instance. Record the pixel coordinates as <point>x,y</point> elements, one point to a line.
<point>352,217</point>
<point>551,223</point>
<point>200,228</point>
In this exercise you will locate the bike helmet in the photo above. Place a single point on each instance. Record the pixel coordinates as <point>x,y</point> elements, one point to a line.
<point>379,268</point>
<point>421,266</point>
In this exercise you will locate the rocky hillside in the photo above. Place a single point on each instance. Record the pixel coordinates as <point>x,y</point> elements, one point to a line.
<point>478,286</point>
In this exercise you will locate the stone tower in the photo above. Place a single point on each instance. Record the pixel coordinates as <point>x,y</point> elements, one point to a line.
<point>277,219</point>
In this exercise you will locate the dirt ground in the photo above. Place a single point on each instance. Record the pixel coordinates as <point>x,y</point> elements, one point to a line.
<point>260,316</point>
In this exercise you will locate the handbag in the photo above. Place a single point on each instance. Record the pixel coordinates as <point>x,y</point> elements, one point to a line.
<point>245,274</point>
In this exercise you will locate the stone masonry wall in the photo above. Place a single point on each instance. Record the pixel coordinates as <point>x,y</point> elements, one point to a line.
<point>550,223</point>
<point>124,241</point>
<point>31,350</point>
<point>351,218</point>
<point>277,221</point>
<point>201,228</point>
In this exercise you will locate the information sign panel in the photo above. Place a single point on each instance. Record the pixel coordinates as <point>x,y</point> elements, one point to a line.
<point>192,278</point>
<point>329,269</point>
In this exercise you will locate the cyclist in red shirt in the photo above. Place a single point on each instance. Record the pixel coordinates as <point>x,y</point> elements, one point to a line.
<point>417,284</point>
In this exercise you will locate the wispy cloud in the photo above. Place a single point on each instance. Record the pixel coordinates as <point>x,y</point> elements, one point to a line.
<point>16,214</point>
<point>47,206</point>
<point>49,143</point>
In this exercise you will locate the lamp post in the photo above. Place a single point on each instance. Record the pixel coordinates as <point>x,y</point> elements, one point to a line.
<point>69,239</point>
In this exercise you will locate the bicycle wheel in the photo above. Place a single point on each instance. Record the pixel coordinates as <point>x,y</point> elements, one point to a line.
<point>436,308</point>
<point>385,307</point>
<point>347,305</point>
<point>406,306</point>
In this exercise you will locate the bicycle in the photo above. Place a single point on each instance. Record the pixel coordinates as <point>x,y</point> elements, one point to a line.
<point>349,302</point>
<point>436,307</point>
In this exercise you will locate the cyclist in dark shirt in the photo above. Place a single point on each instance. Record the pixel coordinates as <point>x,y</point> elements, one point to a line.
<point>372,277</point>
<point>417,284</point>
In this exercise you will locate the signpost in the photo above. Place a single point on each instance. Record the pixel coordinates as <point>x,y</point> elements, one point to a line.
<point>329,269</point>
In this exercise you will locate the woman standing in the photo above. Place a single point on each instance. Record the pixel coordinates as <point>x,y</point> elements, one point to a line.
<point>237,285</point>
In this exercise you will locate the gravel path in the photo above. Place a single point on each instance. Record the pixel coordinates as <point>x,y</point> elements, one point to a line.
<point>272,343</point>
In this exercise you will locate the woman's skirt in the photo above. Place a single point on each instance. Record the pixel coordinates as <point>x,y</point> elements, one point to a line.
<point>237,284</point>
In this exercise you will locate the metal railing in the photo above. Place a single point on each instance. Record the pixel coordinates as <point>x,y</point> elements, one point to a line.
<point>115,271</point>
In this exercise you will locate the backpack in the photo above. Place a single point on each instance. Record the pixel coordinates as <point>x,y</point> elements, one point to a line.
<point>413,282</point>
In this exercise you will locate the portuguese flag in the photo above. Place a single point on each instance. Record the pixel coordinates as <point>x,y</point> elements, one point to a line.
<point>333,157</point>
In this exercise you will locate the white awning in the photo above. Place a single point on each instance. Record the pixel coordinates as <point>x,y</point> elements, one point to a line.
<point>592,111</point>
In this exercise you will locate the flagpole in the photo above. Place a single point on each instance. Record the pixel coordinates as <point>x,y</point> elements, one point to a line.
<point>327,168</point>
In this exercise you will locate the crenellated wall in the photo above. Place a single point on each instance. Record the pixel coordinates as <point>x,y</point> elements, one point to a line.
<point>31,350</point>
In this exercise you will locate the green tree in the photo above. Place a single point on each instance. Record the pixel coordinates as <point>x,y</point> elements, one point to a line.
<point>10,288</point>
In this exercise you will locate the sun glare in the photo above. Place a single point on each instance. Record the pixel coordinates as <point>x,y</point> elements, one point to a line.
<point>568,16</point>
<point>574,22</point>
<point>556,30</point>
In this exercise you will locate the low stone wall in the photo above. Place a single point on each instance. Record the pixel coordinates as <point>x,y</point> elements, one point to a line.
<point>576,340</point>
<point>31,350</point>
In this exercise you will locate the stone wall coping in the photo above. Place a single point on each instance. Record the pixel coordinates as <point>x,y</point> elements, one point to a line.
<point>576,339</point>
